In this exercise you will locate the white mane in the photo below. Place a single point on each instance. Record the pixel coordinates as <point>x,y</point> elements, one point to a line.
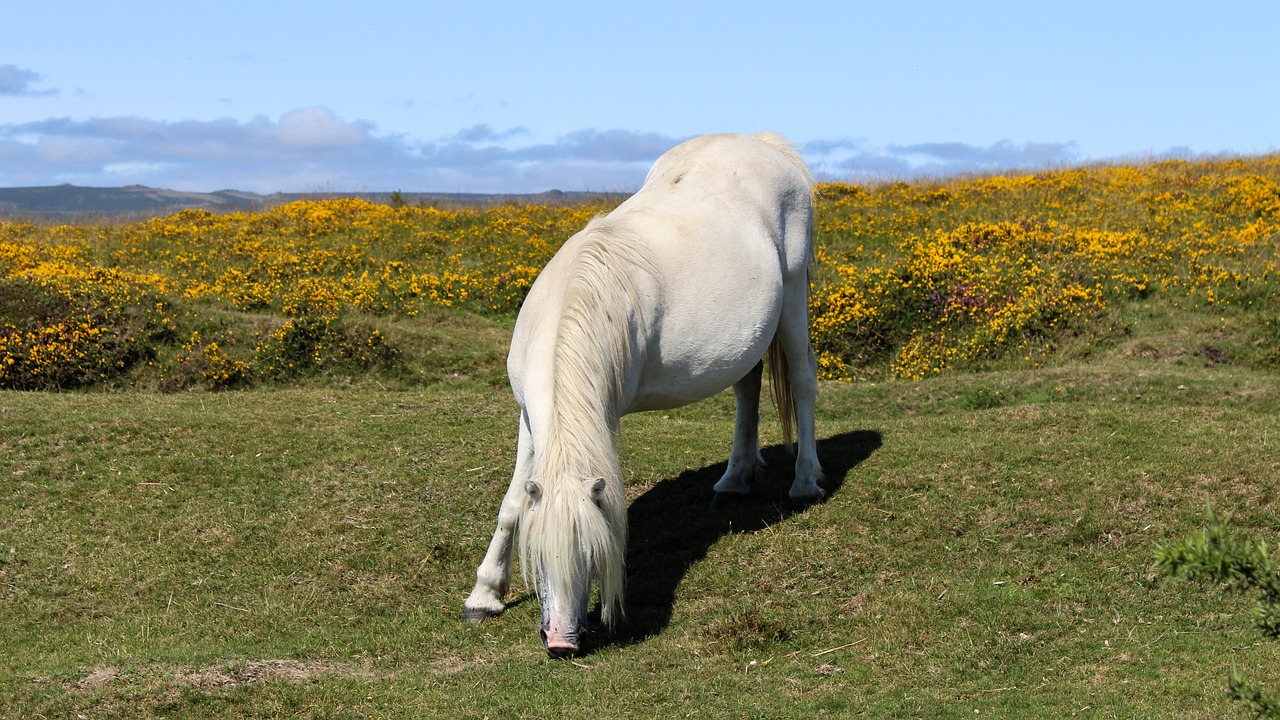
<point>593,347</point>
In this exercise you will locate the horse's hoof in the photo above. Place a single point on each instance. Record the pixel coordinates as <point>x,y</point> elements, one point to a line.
<point>477,615</point>
<point>723,500</point>
<point>800,504</point>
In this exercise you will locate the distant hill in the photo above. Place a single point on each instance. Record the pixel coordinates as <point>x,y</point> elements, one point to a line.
<point>70,202</point>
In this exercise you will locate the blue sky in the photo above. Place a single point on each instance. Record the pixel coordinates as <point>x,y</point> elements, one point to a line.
<point>523,97</point>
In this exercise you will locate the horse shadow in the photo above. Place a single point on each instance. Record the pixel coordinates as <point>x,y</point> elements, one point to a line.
<point>671,526</point>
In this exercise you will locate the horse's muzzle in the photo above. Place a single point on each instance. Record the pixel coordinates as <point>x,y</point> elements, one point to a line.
<point>560,647</point>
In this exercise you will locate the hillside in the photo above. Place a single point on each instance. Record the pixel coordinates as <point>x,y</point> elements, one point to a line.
<point>76,203</point>
<point>1052,377</point>
<point>910,281</point>
<point>71,201</point>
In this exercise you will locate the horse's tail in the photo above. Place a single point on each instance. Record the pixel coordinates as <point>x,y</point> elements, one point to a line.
<point>778,381</point>
<point>781,388</point>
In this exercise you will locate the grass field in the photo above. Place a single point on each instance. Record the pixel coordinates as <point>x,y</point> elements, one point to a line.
<point>300,547</point>
<point>988,546</point>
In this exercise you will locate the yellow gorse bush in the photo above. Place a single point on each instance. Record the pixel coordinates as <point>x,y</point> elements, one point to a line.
<point>914,279</point>
<point>328,256</point>
<point>67,323</point>
<point>977,270</point>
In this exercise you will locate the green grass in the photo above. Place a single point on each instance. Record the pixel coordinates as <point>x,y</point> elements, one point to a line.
<point>987,548</point>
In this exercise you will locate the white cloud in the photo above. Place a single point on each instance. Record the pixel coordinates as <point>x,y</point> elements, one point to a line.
<point>312,148</point>
<point>315,128</point>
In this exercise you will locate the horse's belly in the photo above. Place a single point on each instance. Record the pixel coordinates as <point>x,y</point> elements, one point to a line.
<point>669,397</point>
<point>698,372</point>
<point>714,328</point>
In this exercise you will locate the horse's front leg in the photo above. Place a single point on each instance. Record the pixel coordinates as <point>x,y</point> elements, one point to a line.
<point>493,577</point>
<point>744,458</point>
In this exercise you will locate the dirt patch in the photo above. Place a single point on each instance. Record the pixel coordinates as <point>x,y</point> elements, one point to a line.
<point>208,679</point>
<point>215,677</point>
<point>97,679</point>
<point>212,678</point>
<point>1214,354</point>
<point>1145,350</point>
<point>454,665</point>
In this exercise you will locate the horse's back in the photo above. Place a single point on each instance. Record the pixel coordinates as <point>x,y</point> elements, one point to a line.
<point>734,178</point>
<point>723,223</point>
<point>726,218</point>
<point>721,192</point>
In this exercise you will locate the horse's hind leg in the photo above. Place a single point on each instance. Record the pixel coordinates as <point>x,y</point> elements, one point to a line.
<point>744,458</point>
<point>493,577</point>
<point>802,374</point>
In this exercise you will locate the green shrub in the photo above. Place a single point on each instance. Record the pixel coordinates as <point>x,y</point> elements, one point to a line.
<point>310,345</point>
<point>1215,555</point>
<point>206,364</point>
<point>65,334</point>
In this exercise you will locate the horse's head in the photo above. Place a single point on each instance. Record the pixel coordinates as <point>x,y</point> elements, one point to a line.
<point>573,535</point>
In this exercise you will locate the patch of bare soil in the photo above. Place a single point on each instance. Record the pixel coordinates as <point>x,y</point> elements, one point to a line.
<point>97,679</point>
<point>212,678</point>
<point>215,677</point>
<point>453,665</point>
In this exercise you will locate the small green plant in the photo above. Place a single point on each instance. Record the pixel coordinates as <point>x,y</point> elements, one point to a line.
<point>982,398</point>
<point>1217,555</point>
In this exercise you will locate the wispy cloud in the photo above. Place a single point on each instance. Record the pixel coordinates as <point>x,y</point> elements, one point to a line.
<point>1004,154</point>
<point>17,81</point>
<point>851,158</point>
<point>486,134</point>
<point>486,160</point>
<point>311,149</point>
<point>600,146</point>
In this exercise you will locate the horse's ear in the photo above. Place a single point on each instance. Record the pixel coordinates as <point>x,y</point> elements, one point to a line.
<point>597,488</point>
<point>534,488</point>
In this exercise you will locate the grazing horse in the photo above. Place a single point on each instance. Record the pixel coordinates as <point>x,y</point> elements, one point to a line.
<point>678,293</point>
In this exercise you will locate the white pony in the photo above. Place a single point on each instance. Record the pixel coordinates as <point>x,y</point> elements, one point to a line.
<point>672,297</point>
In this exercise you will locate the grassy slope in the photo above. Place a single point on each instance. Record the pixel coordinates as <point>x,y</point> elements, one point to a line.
<point>304,552</point>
